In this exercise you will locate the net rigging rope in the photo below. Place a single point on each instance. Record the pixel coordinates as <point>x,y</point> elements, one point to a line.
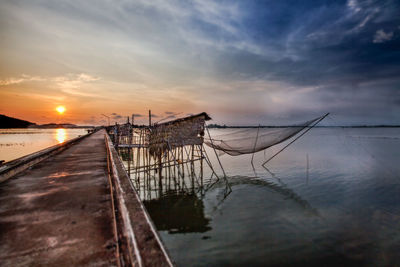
<point>248,141</point>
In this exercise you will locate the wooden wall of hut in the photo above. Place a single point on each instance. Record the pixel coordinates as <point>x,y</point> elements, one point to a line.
<point>177,133</point>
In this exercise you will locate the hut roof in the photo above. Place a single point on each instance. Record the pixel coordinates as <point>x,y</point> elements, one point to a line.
<point>206,117</point>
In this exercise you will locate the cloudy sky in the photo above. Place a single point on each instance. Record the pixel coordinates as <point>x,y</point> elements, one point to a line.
<point>243,62</point>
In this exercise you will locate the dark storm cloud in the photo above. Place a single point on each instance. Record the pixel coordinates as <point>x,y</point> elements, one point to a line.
<point>138,115</point>
<point>321,42</point>
<point>242,61</point>
<point>169,117</point>
<point>349,50</point>
<point>116,116</point>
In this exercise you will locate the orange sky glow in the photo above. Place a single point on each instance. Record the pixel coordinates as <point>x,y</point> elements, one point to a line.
<point>86,99</point>
<point>240,66</point>
<point>50,57</point>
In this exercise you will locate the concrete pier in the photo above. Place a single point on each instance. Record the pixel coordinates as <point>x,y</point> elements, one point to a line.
<point>62,212</point>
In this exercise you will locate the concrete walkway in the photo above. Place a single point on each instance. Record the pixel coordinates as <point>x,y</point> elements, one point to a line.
<point>59,212</point>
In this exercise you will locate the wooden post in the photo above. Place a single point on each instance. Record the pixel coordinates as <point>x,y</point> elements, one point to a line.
<point>149,118</point>
<point>169,170</point>
<point>149,167</point>
<point>165,170</point>
<point>192,163</point>
<point>183,165</point>
<point>137,164</point>
<point>129,162</point>
<point>117,135</point>
<point>192,166</point>
<point>174,164</point>
<point>160,171</point>
<point>201,165</point>
<point>177,160</point>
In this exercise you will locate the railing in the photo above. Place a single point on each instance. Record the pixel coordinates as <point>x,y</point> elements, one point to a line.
<point>140,242</point>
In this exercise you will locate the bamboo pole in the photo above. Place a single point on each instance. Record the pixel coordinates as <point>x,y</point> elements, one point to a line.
<point>168,173</point>
<point>159,171</point>
<point>323,117</point>
<point>183,166</point>
<point>216,154</point>
<point>149,118</point>
<point>201,165</point>
<point>255,144</point>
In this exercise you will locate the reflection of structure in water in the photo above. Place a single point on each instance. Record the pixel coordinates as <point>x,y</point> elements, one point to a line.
<point>125,154</point>
<point>178,213</point>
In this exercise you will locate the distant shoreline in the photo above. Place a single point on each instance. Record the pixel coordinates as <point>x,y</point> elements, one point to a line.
<point>59,126</point>
<point>288,126</point>
<point>7,122</point>
<point>14,123</point>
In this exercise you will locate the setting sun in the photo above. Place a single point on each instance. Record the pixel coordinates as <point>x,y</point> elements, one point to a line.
<point>60,109</point>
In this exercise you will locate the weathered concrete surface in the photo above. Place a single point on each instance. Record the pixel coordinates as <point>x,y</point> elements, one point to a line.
<point>140,244</point>
<point>59,212</point>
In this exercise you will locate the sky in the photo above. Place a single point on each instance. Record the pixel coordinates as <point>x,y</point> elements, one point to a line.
<point>243,62</point>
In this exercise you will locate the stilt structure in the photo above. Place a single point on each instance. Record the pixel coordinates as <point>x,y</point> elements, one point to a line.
<point>166,156</point>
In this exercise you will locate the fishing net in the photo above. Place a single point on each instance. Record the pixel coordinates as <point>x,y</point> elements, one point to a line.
<point>251,140</point>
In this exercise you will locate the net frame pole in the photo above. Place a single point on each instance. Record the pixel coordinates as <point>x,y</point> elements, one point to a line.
<point>208,161</point>
<point>318,121</point>
<point>216,154</point>
<point>254,148</point>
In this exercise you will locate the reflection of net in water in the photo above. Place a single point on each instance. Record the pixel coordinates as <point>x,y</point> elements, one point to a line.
<point>280,188</point>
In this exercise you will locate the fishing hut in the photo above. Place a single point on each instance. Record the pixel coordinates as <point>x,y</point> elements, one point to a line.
<point>163,156</point>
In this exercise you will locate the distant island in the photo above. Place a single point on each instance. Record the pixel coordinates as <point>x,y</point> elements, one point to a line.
<point>59,125</point>
<point>7,122</point>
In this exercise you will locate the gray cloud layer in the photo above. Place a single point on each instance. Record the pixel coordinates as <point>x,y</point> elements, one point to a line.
<point>245,62</point>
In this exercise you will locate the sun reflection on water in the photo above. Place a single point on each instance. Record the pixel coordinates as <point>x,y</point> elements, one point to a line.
<point>61,135</point>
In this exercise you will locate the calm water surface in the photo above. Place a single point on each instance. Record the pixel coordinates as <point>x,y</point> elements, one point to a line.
<point>15,143</point>
<point>331,199</point>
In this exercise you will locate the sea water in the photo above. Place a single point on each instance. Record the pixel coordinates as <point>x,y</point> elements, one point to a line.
<point>330,199</point>
<point>15,143</point>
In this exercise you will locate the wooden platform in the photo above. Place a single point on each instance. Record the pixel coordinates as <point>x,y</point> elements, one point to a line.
<point>61,212</point>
